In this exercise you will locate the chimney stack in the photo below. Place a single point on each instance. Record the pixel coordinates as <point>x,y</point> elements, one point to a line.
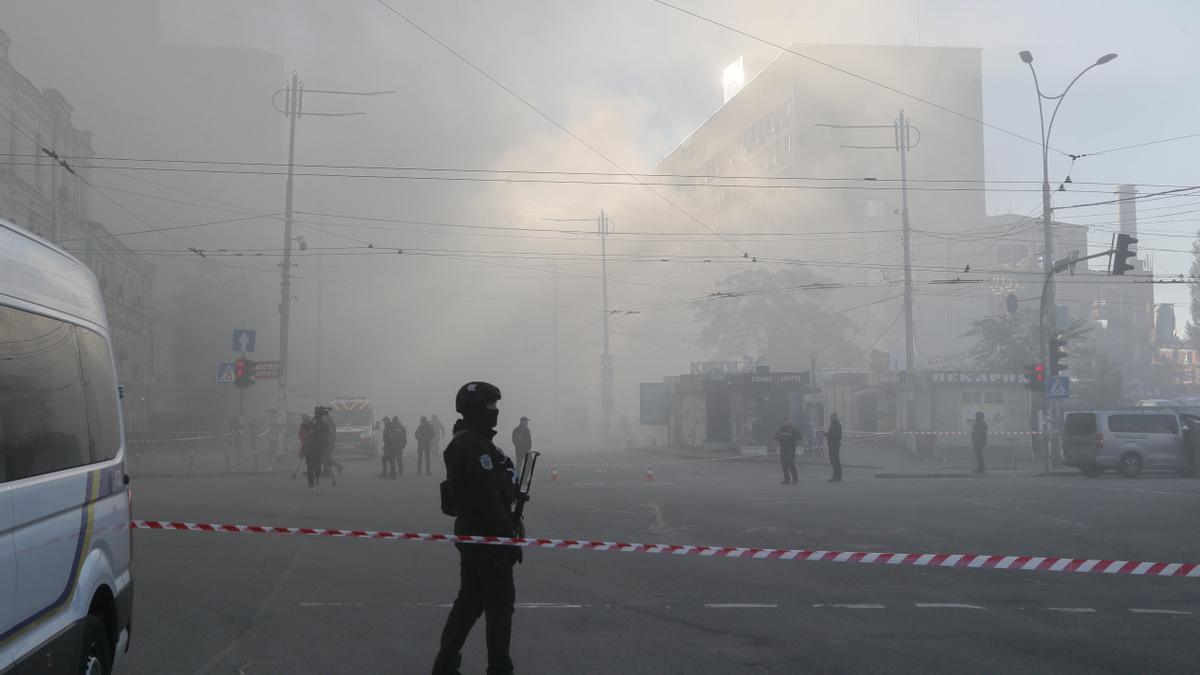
<point>1127,209</point>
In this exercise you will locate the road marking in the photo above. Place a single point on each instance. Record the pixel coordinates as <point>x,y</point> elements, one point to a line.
<point>862,606</point>
<point>355,605</point>
<point>1071,610</point>
<point>741,605</point>
<point>948,605</point>
<point>1168,612</point>
<point>547,605</point>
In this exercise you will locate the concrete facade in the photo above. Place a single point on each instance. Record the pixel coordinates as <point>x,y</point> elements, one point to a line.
<point>41,195</point>
<point>770,129</point>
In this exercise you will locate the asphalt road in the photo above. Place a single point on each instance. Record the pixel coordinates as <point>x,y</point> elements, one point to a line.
<point>247,603</point>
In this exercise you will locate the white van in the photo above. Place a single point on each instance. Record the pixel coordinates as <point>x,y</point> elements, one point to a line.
<point>66,596</point>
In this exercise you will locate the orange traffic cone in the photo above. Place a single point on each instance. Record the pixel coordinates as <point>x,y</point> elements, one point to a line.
<point>554,473</point>
<point>650,473</point>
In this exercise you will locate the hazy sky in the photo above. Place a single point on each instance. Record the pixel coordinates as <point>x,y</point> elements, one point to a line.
<point>632,78</point>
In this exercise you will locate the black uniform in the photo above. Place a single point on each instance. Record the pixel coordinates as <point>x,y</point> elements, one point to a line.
<point>484,484</point>
<point>979,439</point>
<point>424,435</point>
<point>788,438</point>
<point>522,442</point>
<point>833,438</point>
<point>389,450</point>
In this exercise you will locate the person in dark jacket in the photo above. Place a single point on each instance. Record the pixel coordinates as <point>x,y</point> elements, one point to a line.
<point>833,439</point>
<point>401,440</point>
<point>522,441</point>
<point>788,437</point>
<point>483,485</point>
<point>311,450</point>
<point>979,439</point>
<point>424,435</point>
<point>389,449</point>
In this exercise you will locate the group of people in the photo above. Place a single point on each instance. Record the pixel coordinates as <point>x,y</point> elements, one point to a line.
<point>429,433</point>
<point>318,438</point>
<point>788,437</point>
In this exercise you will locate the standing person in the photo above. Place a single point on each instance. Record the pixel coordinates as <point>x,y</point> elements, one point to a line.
<point>522,441</point>
<point>401,443</point>
<point>424,436</point>
<point>439,431</point>
<point>833,439</point>
<point>979,438</point>
<point>389,450</point>
<point>311,440</point>
<point>480,488</point>
<point>788,437</point>
<point>327,430</point>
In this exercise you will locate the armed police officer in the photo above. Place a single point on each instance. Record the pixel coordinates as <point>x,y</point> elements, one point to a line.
<point>480,489</point>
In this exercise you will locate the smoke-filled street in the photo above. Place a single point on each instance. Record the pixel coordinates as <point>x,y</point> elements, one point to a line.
<point>601,336</point>
<point>263,603</point>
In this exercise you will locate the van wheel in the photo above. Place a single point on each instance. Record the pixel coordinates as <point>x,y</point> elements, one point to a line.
<point>1092,471</point>
<point>1130,465</point>
<point>97,656</point>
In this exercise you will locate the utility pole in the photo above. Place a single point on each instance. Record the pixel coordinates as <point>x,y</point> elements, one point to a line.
<point>902,129</point>
<point>293,103</point>
<point>903,145</point>
<point>554,397</point>
<point>606,360</point>
<point>293,109</point>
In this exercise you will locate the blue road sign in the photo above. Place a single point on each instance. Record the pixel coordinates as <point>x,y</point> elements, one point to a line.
<point>225,372</point>
<point>243,340</point>
<point>1058,386</point>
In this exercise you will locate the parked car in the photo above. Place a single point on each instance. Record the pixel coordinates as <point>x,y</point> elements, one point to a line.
<point>66,594</point>
<point>1130,441</point>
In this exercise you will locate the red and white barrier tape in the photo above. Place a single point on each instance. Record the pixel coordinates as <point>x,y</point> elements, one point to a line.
<point>970,561</point>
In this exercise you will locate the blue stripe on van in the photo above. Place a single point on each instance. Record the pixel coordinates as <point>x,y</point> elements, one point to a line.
<point>82,545</point>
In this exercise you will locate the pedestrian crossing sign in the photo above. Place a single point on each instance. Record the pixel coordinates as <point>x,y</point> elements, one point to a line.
<point>1058,386</point>
<point>225,372</point>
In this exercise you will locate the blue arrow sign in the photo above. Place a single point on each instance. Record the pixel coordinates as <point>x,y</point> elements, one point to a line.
<point>225,372</point>
<point>1058,386</point>
<point>243,340</point>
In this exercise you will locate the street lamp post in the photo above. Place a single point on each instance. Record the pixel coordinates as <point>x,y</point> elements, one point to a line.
<point>1049,301</point>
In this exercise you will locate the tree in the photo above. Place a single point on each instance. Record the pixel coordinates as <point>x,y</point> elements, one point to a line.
<point>1193,326</point>
<point>763,312</point>
<point>1006,344</point>
<point>1098,379</point>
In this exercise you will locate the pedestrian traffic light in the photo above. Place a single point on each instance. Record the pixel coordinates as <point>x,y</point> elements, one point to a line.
<point>1126,248</point>
<point>1035,376</point>
<point>243,373</point>
<point>1058,354</point>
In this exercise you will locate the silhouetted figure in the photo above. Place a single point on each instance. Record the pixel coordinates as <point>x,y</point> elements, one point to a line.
<point>788,437</point>
<point>424,435</point>
<point>522,441</point>
<point>833,439</point>
<point>979,439</point>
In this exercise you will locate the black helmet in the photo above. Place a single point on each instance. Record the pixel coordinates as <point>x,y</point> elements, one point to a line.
<point>475,395</point>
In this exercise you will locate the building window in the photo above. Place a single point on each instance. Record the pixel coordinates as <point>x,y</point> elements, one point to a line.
<point>972,397</point>
<point>993,397</point>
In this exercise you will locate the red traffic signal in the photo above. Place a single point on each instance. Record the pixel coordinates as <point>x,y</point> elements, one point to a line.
<point>1035,376</point>
<point>243,373</point>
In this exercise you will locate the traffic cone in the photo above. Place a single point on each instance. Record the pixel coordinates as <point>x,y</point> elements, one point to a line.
<point>554,473</point>
<point>650,473</point>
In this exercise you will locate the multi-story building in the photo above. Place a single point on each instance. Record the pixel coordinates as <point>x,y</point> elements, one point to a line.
<point>1122,307</point>
<point>776,126</point>
<point>50,199</point>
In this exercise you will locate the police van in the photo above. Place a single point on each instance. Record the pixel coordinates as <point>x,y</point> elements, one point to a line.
<point>66,596</point>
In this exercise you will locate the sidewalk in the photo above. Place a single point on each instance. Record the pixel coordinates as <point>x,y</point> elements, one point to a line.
<point>201,458</point>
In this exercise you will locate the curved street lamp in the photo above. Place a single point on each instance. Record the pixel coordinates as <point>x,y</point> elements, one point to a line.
<point>1047,212</point>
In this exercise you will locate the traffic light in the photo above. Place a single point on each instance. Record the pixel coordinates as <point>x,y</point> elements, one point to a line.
<point>1058,354</point>
<point>1126,248</point>
<point>1035,376</point>
<point>243,373</point>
